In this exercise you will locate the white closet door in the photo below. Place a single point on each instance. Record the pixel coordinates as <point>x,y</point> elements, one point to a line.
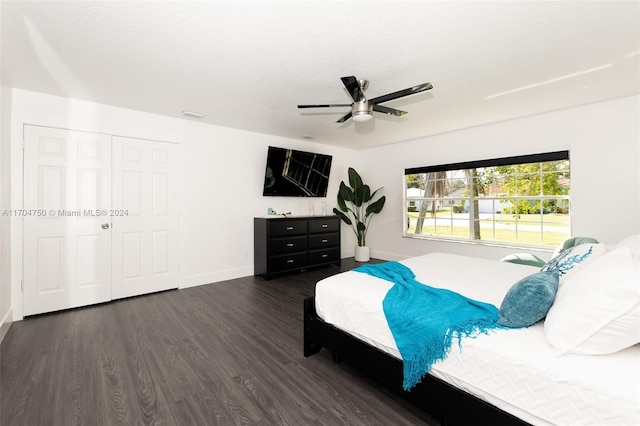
<point>145,228</point>
<point>67,244</point>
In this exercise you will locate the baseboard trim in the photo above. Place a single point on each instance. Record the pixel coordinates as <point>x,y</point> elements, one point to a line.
<point>6,323</point>
<point>213,277</point>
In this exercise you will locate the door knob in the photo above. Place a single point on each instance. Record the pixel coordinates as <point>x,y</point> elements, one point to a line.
<point>105,226</point>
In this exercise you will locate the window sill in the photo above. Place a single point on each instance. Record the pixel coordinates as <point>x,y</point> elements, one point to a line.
<point>485,243</point>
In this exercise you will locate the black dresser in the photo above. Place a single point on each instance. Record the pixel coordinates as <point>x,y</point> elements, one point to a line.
<point>293,244</point>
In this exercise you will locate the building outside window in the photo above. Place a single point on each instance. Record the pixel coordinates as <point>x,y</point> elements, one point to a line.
<point>522,201</point>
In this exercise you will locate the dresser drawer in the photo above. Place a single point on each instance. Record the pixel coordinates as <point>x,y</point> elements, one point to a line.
<point>318,241</point>
<point>324,256</point>
<point>288,244</point>
<point>287,227</point>
<point>329,224</point>
<point>290,261</point>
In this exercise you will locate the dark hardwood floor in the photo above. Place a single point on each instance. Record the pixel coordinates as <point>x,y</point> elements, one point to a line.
<point>228,353</point>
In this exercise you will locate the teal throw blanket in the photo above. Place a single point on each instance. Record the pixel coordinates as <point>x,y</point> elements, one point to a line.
<point>424,320</point>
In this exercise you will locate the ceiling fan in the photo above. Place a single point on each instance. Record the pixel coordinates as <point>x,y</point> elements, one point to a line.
<point>361,108</point>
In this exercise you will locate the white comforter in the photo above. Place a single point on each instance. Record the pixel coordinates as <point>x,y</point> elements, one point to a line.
<point>515,370</point>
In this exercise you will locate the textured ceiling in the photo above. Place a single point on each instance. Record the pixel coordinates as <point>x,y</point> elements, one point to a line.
<point>247,65</point>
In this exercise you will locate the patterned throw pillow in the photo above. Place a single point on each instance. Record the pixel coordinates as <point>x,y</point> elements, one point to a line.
<point>570,261</point>
<point>572,242</point>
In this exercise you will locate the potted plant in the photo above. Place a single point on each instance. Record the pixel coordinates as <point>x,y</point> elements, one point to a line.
<point>356,208</point>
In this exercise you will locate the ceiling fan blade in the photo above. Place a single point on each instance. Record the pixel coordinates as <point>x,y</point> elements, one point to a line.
<point>353,87</point>
<point>399,94</point>
<point>324,106</point>
<point>345,117</point>
<point>387,110</point>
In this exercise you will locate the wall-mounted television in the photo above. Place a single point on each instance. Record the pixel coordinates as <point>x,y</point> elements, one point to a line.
<point>292,173</point>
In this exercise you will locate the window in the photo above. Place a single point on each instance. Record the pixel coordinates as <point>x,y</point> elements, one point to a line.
<point>521,201</point>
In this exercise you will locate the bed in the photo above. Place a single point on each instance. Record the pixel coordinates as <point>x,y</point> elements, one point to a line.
<point>509,376</point>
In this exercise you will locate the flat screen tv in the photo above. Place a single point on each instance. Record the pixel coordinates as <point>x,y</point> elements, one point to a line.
<point>292,173</point>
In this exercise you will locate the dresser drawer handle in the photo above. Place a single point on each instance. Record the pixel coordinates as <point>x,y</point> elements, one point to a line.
<point>325,241</point>
<point>324,225</point>
<point>289,244</point>
<point>325,255</point>
<point>290,261</point>
<point>289,228</point>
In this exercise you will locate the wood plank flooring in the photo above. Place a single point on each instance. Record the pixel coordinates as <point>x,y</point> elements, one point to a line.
<point>228,353</point>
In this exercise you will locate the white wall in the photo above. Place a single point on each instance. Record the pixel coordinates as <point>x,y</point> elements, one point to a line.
<point>221,188</point>
<point>604,144</point>
<point>224,193</point>
<point>5,275</point>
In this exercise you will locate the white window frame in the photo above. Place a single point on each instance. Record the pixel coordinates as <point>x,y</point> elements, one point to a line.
<point>497,216</point>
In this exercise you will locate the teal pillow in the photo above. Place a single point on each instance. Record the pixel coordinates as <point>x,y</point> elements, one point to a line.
<point>524,259</point>
<point>529,300</point>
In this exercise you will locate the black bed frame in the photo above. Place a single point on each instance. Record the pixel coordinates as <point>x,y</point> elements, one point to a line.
<point>449,404</point>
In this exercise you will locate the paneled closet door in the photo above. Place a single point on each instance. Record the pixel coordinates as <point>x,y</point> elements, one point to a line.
<point>67,236</point>
<point>145,224</point>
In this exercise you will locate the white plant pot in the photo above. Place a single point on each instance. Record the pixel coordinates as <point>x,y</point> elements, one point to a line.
<point>362,254</point>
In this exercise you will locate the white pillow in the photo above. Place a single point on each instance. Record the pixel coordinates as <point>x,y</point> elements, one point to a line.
<point>597,310</point>
<point>575,258</point>
<point>633,242</point>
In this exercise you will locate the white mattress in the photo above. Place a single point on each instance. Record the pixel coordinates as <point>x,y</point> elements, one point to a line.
<point>515,370</point>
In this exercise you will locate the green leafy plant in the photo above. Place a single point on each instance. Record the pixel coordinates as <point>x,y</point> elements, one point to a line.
<point>356,206</point>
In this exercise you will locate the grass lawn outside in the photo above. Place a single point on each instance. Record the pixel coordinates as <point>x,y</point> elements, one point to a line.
<point>523,229</point>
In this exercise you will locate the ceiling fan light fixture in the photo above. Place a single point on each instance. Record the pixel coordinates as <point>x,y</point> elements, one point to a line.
<point>361,111</point>
<point>362,116</point>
